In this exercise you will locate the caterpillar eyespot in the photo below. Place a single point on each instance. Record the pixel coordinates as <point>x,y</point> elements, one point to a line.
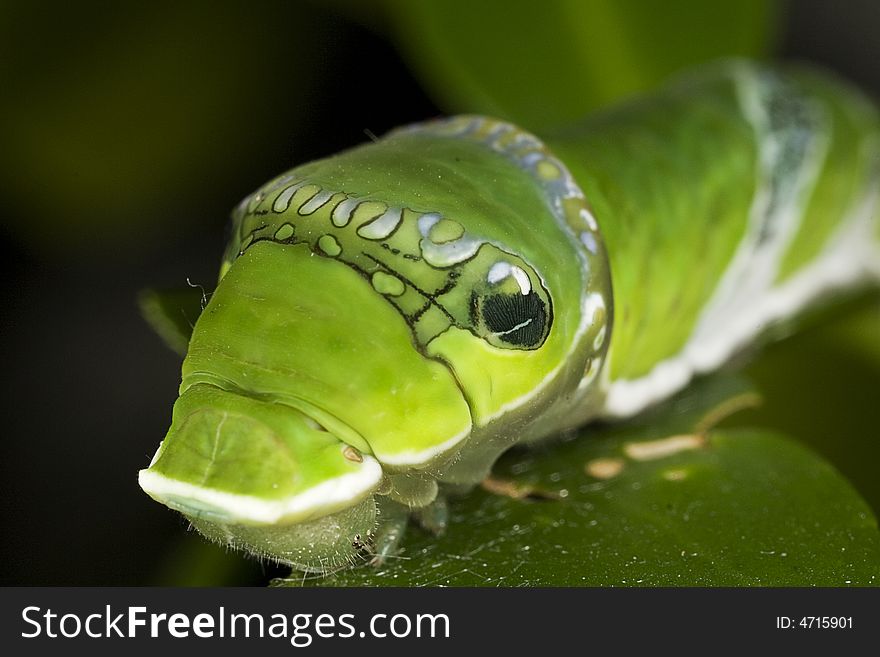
<point>390,320</point>
<point>511,319</point>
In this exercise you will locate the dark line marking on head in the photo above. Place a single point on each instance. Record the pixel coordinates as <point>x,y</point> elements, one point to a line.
<point>428,295</point>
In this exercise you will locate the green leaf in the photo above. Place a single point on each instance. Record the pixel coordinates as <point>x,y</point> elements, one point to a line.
<point>173,313</point>
<point>704,506</point>
<point>545,64</point>
<point>822,385</point>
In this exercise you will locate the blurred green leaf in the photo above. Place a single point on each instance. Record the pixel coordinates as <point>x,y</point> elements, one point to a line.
<point>822,384</point>
<point>196,562</point>
<point>173,313</point>
<point>728,507</point>
<point>112,126</point>
<point>542,64</point>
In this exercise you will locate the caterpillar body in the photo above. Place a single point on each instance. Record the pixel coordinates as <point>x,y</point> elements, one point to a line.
<point>388,321</point>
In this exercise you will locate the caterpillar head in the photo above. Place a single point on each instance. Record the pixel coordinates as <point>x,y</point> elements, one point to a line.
<point>385,319</point>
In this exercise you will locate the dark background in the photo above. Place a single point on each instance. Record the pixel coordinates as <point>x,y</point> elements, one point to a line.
<point>127,135</point>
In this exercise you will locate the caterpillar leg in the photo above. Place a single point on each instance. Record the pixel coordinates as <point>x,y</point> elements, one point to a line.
<point>394,518</point>
<point>434,517</point>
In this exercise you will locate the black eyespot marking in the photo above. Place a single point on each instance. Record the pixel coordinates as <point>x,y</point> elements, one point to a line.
<point>516,319</point>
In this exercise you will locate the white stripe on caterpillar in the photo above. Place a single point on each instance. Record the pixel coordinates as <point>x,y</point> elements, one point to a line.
<point>746,301</point>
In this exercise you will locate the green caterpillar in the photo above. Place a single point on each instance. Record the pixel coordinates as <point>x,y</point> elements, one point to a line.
<point>388,321</point>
